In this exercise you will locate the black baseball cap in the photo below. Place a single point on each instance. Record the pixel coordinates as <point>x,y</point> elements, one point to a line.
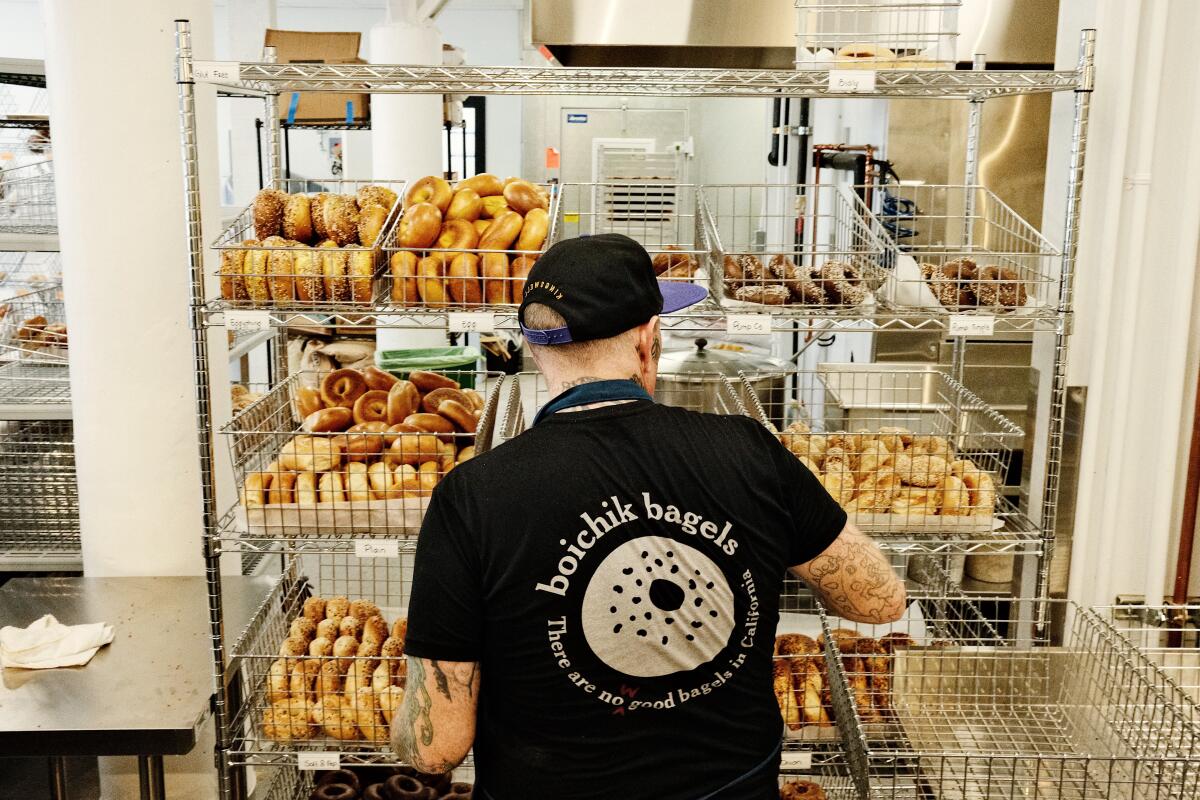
<point>602,286</point>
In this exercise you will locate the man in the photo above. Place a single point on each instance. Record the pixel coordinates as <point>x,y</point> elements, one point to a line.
<point>594,603</point>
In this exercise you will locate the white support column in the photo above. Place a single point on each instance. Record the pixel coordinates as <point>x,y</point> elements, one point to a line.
<point>1134,345</point>
<point>114,110</point>
<point>406,130</point>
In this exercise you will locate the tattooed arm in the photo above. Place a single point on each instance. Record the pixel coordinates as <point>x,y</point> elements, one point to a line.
<point>435,725</point>
<point>854,580</point>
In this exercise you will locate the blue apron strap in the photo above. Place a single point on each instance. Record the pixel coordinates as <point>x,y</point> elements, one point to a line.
<point>595,392</point>
<point>755,772</point>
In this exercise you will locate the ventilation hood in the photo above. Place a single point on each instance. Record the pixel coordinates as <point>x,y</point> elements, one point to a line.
<point>749,34</point>
<point>755,34</point>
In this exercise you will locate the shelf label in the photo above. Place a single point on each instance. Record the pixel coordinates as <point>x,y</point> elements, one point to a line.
<point>471,321</point>
<point>247,321</point>
<point>972,324</point>
<point>857,81</point>
<point>216,71</point>
<point>319,761</point>
<point>754,324</point>
<point>376,548</point>
<point>796,760</point>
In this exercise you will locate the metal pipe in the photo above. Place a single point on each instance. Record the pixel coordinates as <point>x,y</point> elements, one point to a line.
<point>271,104</point>
<point>1187,531</point>
<point>212,564</point>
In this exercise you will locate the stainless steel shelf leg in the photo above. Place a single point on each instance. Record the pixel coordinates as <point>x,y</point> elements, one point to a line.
<point>58,778</point>
<point>151,782</point>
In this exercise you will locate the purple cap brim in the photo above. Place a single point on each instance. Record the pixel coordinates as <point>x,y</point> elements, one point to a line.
<point>680,294</point>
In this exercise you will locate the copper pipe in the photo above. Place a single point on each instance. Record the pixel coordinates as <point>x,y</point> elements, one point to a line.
<point>1187,531</point>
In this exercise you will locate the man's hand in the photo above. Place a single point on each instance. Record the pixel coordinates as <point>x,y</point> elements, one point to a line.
<point>435,725</point>
<point>854,580</point>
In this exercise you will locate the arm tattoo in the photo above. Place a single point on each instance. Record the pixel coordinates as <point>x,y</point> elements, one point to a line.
<point>855,580</point>
<point>414,721</point>
<point>413,727</point>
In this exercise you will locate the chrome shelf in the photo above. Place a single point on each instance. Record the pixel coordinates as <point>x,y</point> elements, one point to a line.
<point>705,316</point>
<point>417,79</point>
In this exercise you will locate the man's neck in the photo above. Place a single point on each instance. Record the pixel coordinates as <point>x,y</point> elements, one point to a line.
<point>563,384</point>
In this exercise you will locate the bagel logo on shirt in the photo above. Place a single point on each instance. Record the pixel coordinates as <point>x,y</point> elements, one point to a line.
<point>653,607</point>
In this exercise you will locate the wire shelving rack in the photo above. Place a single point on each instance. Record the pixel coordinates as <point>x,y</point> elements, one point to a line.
<point>975,86</point>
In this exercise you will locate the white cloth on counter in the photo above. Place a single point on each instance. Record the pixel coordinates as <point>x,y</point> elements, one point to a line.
<point>47,643</point>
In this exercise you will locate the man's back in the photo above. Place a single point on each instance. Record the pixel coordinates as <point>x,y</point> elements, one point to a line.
<point>616,571</point>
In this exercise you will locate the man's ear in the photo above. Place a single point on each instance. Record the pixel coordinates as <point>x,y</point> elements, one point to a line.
<point>647,338</point>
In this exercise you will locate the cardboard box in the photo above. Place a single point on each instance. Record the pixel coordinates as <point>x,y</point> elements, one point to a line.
<point>309,47</point>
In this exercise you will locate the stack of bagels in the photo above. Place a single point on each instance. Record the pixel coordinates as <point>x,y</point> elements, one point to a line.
<point>471,244</point>
<point>318,249</point>
<point>368,435</point>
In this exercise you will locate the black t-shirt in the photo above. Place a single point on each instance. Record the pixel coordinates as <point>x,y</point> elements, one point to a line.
<point>617,573</point>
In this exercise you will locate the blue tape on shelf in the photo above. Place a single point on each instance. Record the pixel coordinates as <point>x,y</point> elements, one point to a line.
<point>349,112</point>
<point>292,106</point>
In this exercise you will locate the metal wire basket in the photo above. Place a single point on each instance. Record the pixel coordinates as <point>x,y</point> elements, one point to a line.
<point>20,272</point>
<point>33,351</point>
<point>973,713</point>
<point>484,279</point>
<point>876,34</point>
<point>39,500</point>
<point>289,783</point>
<point>917,460</point>
<point>962,249</point>
<point>659,214</point>
<point>1167,635</point>
<point>276,499</point>
<point>383,581</point>
<point>803,247</point>
<point>294,275</point>
<point>27,203</point>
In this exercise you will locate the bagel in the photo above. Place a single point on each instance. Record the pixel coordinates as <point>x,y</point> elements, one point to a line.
<point>494,206</point>
<point>281,490</point>
<point>426,382</point>
<point>534,230</point>
<point>377,379</point>
<point>341,219</point>
<point>317,213</point>
<point>308,400</point>
<point>475,398</point>
<point>497,289</point>
<point>503,231</point>
<point>371,406</point>
<point>430,285</point>
<point>334,266</point>
<point>420,226</point>
<point>430,189</point>
<point>481,225</point>
<point>466,454</point>
<point>523,196</point>
<point>268,213</point>
<point>383,483</point>
<point>306,488</point>
<point>520,271</point>
<point>393,432</point>
<point>463,280</point>
<point>432,399</point>
<point>458,234</point>
<point>357,485</point>
<point>361,266</point>
<point>465,205</point>
<point>310,284</point>
<point>374,195</point>
<point>442,427</point>
<point>428,476</point>
<point>403,399</point>
<point>343,387</point>
<point>404,277</point>
<point>297,218</point>
<point>485,184</point>
<point>462,416</point>
<point>370,224</point>
<point>412,449</point>
<point>336,418</point>
<point>233,267</point>
<point>279,264</point>
<point>331,488</point>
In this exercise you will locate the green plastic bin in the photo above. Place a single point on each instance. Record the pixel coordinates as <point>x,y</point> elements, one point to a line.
<point>459,363</point>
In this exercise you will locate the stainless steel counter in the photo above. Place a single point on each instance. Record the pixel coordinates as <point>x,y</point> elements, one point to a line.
<point>145,694</point>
